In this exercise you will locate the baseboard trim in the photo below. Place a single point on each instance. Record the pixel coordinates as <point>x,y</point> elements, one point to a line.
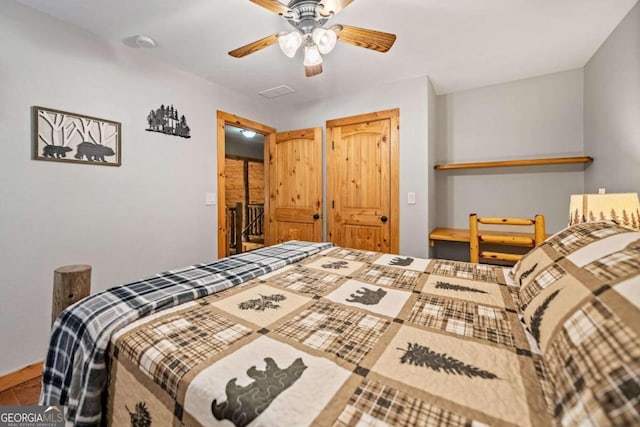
<point>20,376</point>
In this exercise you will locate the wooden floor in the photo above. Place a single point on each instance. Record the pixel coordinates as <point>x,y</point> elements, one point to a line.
<point>23,394</point>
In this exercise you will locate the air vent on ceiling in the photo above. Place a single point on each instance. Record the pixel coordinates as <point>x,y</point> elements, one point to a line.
<point>277,91</point>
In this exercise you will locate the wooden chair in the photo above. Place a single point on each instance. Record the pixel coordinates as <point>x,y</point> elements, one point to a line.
<point>506,238</point>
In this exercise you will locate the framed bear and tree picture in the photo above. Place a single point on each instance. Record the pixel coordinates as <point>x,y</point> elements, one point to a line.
<point>61,136</point>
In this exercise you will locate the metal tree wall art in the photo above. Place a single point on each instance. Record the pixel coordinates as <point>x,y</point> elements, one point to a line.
<point>68,137</point>
<point>168,121</point>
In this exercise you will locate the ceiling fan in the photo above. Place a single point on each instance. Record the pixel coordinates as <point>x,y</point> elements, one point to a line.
<point>308,17</point>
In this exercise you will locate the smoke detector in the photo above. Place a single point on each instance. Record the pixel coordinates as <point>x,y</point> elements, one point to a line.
<point>145,42</point>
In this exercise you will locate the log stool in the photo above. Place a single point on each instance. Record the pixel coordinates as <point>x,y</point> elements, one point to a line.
<point>71,283</point>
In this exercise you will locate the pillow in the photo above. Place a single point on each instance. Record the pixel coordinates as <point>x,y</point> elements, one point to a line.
<point>557,247</point>
<point>580,297</point>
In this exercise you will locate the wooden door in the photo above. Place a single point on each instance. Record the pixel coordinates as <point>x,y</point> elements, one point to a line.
<point>362,181</point>
<point>295,186</point>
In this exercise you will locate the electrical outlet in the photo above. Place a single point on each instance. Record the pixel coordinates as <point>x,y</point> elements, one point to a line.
<point>601,191</point>
<point>411,198</point>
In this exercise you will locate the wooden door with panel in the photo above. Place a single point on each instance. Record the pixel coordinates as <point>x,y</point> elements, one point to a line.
<point>362,182</point>
<point>295,186</point>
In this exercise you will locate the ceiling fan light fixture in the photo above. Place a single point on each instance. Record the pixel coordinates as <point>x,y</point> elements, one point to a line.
<point>289,43</point>
<point>324,39</point>
<point>312,56</point>
<point>307,17</point>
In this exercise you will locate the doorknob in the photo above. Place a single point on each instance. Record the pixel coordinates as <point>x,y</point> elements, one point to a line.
<point>383,218</point>
<point>316,216</point>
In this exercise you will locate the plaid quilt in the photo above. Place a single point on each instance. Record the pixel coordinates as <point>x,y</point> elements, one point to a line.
<point>75,371</point>
<point>580,298</point>
<point>341,338</point>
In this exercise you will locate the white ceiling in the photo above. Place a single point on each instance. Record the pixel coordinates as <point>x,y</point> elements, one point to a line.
<point>460,44</point>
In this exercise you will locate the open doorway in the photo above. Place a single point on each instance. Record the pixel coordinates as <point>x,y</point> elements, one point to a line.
<point>244,189</point>
<point>243,215</point>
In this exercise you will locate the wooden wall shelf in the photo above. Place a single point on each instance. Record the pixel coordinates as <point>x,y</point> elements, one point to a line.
<point>509,163</point>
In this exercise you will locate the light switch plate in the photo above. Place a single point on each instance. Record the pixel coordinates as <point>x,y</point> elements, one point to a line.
<point>411,198</point>
<point>210,199</point>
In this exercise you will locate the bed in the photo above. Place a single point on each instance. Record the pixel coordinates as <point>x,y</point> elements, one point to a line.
<point>304,334</point>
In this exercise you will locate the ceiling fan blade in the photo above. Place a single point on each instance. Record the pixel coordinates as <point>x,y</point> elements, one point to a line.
<point>332,6</point>
<point>314,70</point>
<point>254,47</point>
<point>275,6</point>
<point>369,39</point>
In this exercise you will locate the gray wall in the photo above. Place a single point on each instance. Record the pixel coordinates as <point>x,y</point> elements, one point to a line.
<point>411,97</point>
<point>532,118</point>
<point>128,222</point>
<point>612,110</point>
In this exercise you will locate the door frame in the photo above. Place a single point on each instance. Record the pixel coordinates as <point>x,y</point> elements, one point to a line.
<point>224,119</point>
<point>393,116</point>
